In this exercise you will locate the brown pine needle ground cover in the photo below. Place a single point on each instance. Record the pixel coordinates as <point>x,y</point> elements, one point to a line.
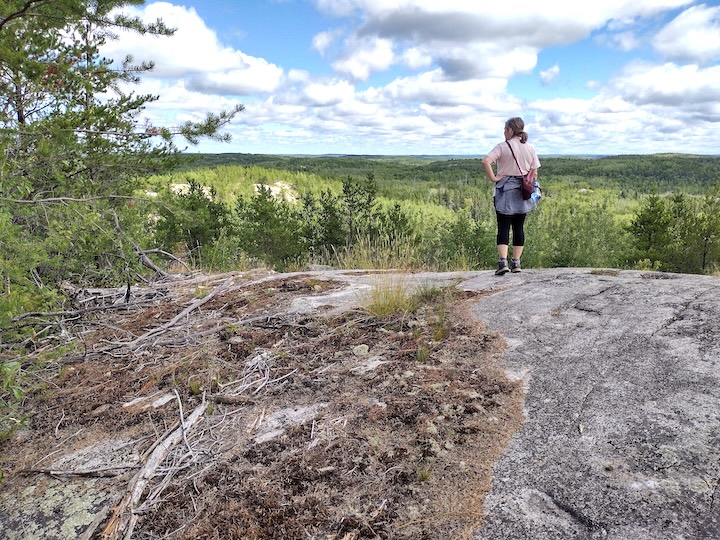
<point>334,425</point>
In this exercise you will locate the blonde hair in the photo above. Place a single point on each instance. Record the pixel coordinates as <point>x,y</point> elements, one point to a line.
<point>517,126</point>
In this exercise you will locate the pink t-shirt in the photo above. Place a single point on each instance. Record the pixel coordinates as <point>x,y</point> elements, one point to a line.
<point>525,154</point>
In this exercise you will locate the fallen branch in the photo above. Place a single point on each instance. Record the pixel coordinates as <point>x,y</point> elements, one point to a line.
<point>142,257</point>
<point>99,473</point>
<point>229,399</point>
<point>184,313</point>
<point>169,256</point>
<point>79,312</point>
<point>123,520</point>
<point>90,531</point>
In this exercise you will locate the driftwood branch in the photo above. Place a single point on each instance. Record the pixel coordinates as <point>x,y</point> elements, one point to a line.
<point>123,520</point>
<point>184,313</point>
<point>78,312</point>
<point>101,473</point>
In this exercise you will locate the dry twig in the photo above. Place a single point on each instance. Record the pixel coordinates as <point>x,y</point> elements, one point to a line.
<point>98,473</point>
<point>123,520</point>
<point>132,345</point>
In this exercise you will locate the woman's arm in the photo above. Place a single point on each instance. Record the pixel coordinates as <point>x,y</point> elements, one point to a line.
<point>487,163</point>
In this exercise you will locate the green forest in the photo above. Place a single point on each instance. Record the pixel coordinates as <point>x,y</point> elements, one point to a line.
<point>92,197</point>
<point>657,212</point>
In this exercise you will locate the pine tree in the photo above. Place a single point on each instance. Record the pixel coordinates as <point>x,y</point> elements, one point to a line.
<point>651,228</point>
<point>709,229</point>
<point>73,149</point>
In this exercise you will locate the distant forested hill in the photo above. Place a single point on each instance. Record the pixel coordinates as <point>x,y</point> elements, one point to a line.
<point>636,173</point>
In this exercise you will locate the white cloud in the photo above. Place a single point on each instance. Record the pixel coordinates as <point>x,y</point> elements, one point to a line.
<point>486,61</point>
<point>620,24</point>
<point>195,52</point>
<point>366,56</point>
<point>328,94</point>
<point>686,88</point>
<point>627,41</point>
<point>646,109</point>
<point>624,41</point>
<point>323,40</point>
<point>416,58</point>
<point>613,104</point>
<point>359,112</point>
<point>255,75</point>
<point>692,36</point>
<point>295,133</point>
<point>175,95</point>
<point>549,75</point>
<point>433,89</point>
<point>475,39</point>
<point>451,95</point>
<point>298,76</point>
<point>569,106</point>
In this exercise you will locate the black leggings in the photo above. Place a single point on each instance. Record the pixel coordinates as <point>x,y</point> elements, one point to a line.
<point>504,222</point>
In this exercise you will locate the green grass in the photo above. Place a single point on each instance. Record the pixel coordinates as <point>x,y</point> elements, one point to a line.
<point>382,254</point>
<point>12,391</point>
<point>389,297</point>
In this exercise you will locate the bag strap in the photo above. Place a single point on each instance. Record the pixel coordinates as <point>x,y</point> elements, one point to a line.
<point>516,161</point>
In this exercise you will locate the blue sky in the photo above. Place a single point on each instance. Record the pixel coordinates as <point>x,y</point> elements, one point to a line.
<point>399,77</point>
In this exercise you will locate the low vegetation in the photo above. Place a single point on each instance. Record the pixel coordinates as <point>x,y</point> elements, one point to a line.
<point>437,214</point>
<point>429,215</point>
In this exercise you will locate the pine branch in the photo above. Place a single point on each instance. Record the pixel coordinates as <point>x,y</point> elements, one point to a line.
<point>22,12</point>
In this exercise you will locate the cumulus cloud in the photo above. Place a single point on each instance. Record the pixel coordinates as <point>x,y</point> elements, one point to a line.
<point>319,94</point>
<point>451,92</point>
<point>647,108</point>
<point>547,76</point>
<point>612,104</point>
<point>468,45</point>
<point>323,40</point>
<point>482,60</point>
<point>472,39</point>
<point>365,57</point>
<point>624,41</point>
<point>416,58</point>
<point>669,85</point>
<point>302,133</point>
<point>693,36</point>
<point>177,96</point>
<point>195,52</point>
<point>571,107</point>
<point>433,89</point>
<point>254,75</point>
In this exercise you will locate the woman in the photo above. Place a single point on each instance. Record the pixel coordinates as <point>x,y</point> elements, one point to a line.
<point>510,207</point>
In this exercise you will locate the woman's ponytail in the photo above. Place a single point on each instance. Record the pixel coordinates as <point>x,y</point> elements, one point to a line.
<point>517,126</point>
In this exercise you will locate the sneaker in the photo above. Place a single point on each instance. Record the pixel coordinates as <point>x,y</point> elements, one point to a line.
<point>502,268</point>
<point>515,266</point>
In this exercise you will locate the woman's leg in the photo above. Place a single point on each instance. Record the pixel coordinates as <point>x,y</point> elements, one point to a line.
<point>518,228</point>
<point>503,234</point>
